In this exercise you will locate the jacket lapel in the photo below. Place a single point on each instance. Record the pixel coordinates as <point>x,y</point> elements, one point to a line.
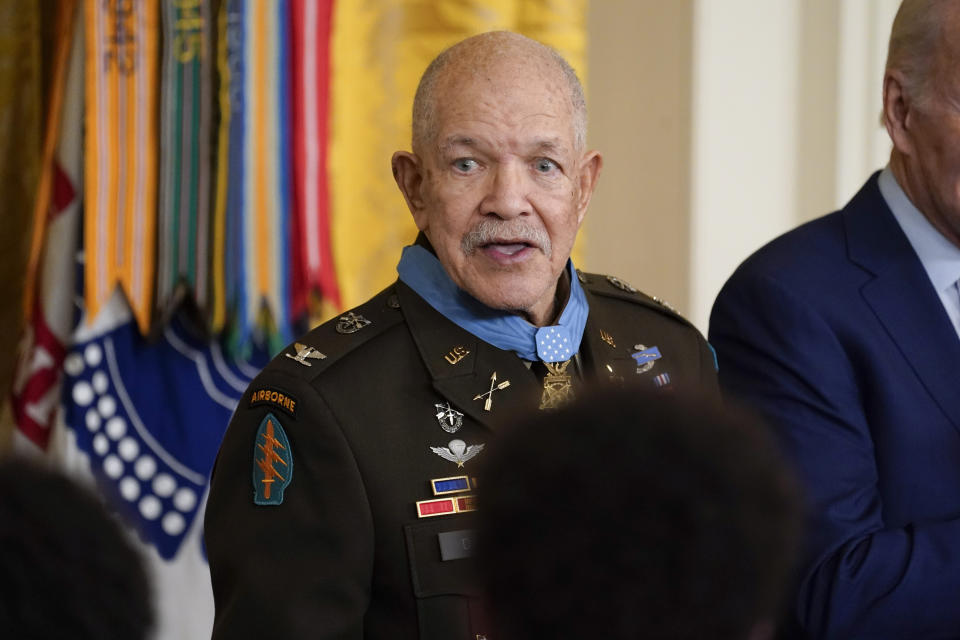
<point>903,299</point>
<point>462,366</point>
<point>603,361</point>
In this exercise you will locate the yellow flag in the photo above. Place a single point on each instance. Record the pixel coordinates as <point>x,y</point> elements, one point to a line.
<point>379,50</point>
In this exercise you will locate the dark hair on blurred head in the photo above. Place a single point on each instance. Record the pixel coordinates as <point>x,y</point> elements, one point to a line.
<point>67,570</point>
<point>634,516</point>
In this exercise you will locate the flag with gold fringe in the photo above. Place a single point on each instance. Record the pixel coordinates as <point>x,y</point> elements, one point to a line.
<point>235,186</point>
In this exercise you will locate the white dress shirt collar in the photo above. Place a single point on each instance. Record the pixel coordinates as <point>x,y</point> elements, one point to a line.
<point>940,257</point>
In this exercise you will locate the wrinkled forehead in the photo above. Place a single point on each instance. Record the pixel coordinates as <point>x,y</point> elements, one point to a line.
<point>509,95</point>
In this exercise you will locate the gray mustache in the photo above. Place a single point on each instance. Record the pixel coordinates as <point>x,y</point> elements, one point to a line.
<point>488,231</point>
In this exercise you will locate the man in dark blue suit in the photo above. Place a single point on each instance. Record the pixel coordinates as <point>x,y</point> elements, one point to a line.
<point>845,333</point>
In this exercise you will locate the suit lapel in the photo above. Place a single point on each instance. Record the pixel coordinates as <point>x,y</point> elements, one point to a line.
<point>459,377</point>
<point>903,299</point>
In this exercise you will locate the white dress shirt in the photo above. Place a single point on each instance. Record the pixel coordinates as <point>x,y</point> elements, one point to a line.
<point>939,256</point>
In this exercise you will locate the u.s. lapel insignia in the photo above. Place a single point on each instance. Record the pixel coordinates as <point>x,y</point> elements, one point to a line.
<point>449,418</point>
<point>272,462</point>
<point>456,355</point>
<point>606,337</point>
<point>304,352</point>
<point>488,395</point>
<point>620,284</point>
<point>645,357</point>
<point>351,323</point>
<point>557,389</point>
<point>582,278</point>
<point>458,451</point>
<point>393,301</point>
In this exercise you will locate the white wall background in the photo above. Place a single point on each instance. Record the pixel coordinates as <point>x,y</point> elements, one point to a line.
<point>781,89</point>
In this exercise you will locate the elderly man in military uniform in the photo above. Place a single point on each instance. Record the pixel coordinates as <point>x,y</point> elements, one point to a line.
<point>362,437</point>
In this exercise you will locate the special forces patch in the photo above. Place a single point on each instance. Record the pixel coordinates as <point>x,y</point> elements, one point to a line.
<point>272,462</point>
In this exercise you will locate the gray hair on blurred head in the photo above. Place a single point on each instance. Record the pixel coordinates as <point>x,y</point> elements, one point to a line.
<point>916,36</point>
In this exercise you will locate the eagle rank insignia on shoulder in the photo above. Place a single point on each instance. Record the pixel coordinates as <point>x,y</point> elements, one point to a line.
<point>272,462</point>
<point>304,352</point>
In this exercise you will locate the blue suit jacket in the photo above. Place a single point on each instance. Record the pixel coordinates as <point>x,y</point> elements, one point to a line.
<point>835,333</point>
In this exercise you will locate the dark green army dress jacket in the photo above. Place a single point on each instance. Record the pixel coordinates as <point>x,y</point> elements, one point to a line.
<point>323,520</point>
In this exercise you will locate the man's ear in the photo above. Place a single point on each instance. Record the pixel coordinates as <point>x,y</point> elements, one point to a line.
<point>408,172</point>
<point>590,167</point>
<point>897,111</point>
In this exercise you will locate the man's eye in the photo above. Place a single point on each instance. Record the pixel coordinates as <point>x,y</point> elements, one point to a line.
<point>545,165</point>
<point>465,164</point>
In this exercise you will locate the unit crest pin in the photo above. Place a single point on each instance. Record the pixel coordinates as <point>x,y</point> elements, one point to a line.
<point>449,418</point>
<point>351,323</point>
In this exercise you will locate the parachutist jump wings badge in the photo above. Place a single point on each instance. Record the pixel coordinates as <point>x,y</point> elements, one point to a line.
<point>458,451</point>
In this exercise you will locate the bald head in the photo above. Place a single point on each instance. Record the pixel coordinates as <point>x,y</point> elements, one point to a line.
<point>921,31</point>
<point>476,58</point>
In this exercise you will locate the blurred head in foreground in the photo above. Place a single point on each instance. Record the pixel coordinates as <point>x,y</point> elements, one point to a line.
<point>631,516</point>
<point>68,570</point>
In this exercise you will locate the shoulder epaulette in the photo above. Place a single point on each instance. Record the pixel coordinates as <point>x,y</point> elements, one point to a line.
<point>614,287</point>
<point>315,352</point>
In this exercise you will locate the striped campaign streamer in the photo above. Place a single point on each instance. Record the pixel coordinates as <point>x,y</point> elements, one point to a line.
<point>120,166</point>
<point>266,194</point>
<point>313,277</point>
<point>228,285</point>
<point>218,233</point>
<point>186,109</point>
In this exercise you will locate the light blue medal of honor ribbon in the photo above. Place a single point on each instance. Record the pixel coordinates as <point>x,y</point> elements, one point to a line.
<point>422,272</point>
